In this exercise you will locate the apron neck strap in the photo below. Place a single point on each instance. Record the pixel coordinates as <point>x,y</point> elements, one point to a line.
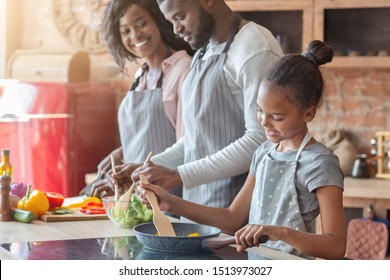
<point>303,144</point>
<point>233,32</point>
<point>145,68</point>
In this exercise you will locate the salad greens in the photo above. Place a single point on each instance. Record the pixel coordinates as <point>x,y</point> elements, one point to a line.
<point>137,213</point>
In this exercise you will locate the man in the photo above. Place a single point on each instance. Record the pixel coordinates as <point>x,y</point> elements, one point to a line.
<point>211,161</point>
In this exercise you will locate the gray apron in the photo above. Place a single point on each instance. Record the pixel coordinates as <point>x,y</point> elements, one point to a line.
<point>275,199</point>
<point>212,121</point>
<point>143,125</point>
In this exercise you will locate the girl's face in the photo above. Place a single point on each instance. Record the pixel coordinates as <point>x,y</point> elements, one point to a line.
<point>139,32</point>
<point>283,122</point>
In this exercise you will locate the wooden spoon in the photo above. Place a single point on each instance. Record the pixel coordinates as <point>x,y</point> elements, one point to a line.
<point>123,202</point>
<point>161,222</point>
<point>115,181</point>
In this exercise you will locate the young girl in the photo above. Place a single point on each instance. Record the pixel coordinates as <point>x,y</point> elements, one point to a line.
<point>149,116</point>
<point>292,179</point>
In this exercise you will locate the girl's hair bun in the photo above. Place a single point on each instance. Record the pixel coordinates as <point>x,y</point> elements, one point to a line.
<point>319,53</point>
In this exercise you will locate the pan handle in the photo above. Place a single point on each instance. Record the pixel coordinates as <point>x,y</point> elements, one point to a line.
<point>216,243</point>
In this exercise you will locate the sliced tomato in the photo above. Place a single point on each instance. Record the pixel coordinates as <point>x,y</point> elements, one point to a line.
<point>55,199</point>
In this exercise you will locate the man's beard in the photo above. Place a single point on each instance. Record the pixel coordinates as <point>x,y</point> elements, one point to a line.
<point>205,29</point>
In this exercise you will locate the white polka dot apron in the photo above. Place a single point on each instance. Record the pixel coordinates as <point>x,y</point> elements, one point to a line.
<point>275,199</point>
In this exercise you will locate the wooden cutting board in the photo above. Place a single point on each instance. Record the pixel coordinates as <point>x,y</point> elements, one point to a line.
<point>75,216</point>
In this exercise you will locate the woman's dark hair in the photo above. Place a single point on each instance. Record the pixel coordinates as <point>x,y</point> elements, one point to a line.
<point>299,73</point>
<point>115,10</point>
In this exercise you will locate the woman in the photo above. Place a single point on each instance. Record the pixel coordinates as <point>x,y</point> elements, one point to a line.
<point>149,117</point>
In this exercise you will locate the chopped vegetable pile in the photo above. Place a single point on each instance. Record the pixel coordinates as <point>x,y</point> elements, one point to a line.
<point>137,213</point>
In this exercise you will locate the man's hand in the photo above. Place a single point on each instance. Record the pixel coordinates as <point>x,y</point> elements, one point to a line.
<point>159,175</point>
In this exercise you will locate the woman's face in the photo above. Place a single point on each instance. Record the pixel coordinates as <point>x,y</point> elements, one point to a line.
<point>282,120</point>
<point>139,32</point>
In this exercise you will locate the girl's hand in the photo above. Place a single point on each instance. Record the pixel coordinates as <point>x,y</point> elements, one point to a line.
<point>164,198</point>
<point>250,235</point>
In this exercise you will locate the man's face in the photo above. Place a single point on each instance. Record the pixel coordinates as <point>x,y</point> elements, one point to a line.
<point>190,21</point>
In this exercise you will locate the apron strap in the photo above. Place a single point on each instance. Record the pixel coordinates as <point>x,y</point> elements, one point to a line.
<point>233,32</point>
<point>303,144</point>
<point>235,27</point>
<point>305,140</point>
<point>145,68</point>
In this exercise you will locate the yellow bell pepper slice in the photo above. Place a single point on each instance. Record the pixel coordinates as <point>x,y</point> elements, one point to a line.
<point>82,203</point>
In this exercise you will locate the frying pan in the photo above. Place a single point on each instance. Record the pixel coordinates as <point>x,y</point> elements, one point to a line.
<point>146,235</point>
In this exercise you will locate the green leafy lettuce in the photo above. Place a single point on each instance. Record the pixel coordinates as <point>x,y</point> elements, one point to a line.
<point>136,213</point>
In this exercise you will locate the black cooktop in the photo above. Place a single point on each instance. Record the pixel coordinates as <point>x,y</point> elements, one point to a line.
<point>110,248</point>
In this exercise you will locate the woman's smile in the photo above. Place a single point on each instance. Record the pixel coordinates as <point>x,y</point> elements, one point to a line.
<point>140,44</point>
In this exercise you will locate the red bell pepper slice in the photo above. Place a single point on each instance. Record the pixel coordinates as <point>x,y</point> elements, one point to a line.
<point>93,211</point>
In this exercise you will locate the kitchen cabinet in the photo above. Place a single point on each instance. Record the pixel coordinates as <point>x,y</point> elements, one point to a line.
<point>359,30</point>
<point>292,20</point>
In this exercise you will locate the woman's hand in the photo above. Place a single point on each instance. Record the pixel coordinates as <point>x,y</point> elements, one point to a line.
<point>105,165</point>
<point>123,172</point>
<point>164,198</point>
<point>102,188</point>
<point>106,186</point>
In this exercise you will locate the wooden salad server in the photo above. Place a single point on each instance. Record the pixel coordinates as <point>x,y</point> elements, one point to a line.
<point>161,222</point>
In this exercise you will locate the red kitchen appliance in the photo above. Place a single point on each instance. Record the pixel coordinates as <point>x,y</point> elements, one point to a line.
<point>57,132</point>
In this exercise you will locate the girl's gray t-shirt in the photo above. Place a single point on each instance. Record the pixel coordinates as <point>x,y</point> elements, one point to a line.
<point>317,167</point>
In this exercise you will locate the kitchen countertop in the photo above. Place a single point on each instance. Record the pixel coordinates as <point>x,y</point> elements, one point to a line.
<point>38,230</point>
<point>360,193</point>
<point>367,188</point>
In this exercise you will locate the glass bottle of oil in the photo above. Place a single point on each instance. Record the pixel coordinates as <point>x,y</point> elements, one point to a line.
<point>5,164</point>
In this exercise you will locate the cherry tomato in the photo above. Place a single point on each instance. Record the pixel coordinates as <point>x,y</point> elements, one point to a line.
<point>55,199</point>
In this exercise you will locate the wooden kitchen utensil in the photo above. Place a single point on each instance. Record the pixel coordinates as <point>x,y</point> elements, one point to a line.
<point>115,181</point>
<point>123,202</point>
<point>161,222</point>
<point>216,243</point>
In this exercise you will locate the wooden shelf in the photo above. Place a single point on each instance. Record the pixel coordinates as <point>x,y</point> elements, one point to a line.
<point>352,25</point>
<point>360,62</point>
<point>313,25</point>
<point>304,6</point>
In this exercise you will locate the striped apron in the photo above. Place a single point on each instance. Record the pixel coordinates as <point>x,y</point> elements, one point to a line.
<point>143,125</point>
<point>212,120</point>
